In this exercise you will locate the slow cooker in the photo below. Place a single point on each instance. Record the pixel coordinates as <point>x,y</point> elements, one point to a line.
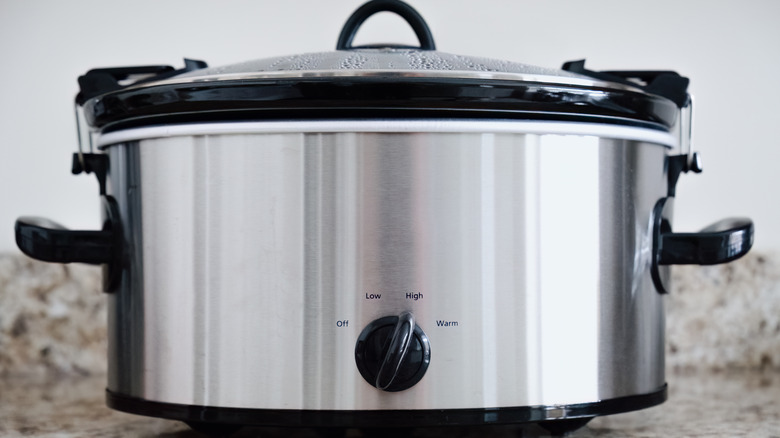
<point>384,236</point>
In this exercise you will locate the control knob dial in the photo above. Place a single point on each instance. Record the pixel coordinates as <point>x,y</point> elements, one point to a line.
<point>393,353</point>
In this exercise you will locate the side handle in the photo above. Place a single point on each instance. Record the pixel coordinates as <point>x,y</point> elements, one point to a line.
<point>48,241</point>
<point>721,242</point>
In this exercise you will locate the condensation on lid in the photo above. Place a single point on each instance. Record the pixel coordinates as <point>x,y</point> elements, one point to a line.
<point>391,62</point>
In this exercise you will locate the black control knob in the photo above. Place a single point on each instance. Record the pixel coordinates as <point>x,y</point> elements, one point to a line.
<point>393,353</point>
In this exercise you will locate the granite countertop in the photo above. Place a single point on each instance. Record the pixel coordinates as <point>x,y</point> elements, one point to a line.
<point>701,404</point>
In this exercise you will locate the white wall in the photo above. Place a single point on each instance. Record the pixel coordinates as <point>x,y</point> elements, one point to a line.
<point>729,49</point>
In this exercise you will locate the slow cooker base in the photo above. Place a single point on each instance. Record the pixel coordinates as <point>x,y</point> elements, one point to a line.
<point>381,418</point>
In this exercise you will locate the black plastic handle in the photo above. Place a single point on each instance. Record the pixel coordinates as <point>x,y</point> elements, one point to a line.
<point>400,341</point>
<point>48,241</point>
<point>721,242</point>
<point>406,12</point>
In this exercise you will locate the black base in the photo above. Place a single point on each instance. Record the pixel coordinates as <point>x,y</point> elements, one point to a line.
<point>385,418</point>
<point>563,427</point>
<point>214,429</point>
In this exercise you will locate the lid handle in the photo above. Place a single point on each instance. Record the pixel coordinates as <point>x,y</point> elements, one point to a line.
<point>406,12</point>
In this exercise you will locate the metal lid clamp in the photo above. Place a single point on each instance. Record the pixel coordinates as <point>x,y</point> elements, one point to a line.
<point>83,135</point>
<point>99,81</point>
<point>664,83</point>
<point>686,136</point>
<point>687,160</point>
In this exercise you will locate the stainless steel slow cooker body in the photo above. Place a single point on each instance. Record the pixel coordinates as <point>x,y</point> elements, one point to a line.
<point>261,255</point>
<point>385,237</point>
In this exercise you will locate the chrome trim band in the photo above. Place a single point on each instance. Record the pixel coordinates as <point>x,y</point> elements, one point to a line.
<point>393,75</point>
<point>391,126</point>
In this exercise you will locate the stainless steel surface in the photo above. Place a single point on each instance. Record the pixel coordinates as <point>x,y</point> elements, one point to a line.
<point>259,258</point>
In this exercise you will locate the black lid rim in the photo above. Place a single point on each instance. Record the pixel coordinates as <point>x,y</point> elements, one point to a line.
<point>370,114</point>
<point>374,97</point>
